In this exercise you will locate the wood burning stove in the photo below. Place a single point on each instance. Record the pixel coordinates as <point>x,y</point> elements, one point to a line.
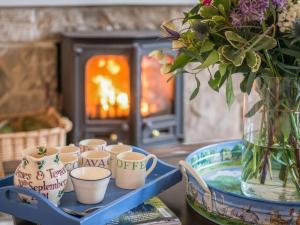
<point>113,90</point>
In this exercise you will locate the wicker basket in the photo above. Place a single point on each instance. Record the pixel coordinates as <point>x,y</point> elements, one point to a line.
<point>12,144</point>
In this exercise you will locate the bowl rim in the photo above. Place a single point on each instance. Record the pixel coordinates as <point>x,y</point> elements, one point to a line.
<point>72,176</point>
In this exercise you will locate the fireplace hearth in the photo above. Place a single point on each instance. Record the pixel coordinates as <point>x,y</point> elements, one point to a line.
<point>113,90</point>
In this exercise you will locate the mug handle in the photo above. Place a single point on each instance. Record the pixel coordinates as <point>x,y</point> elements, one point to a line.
<point>151,156</point>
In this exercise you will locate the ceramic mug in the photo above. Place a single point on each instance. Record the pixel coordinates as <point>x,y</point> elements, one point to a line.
<point>90,183</point>
<point>95,159</point>
<point>92,144</point>
<point>132,169</point>
<point>70,150</point>
<point>71,162</point>
<point>114,150</point>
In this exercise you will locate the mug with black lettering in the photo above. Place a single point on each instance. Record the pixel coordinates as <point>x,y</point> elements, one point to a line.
<point>71,162</point>
<point>132,169</point>
<point>95,159</point>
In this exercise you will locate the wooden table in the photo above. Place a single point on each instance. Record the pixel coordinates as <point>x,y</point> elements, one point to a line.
<point>173,197</point>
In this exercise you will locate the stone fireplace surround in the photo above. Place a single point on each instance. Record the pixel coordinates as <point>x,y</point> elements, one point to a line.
<point>29,64</point>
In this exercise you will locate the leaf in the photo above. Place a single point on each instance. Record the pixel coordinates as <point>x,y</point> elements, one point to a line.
<point>215,80</point>
<point>196,91</point>
<point>165,68</point>
<point>255,108</point>
<point>224,3</point>
<point>257,66</point>
<point>180,61</point>
<point>222,69</point>
<point>191,13</point>
<point>208,12</point>
<point>224,78</point>
<point>265,43</point>
<point>222,59</point>
<point>290,67</point>
<point>193,53</point>
<point>243,84</point>
<point>235,56</point>
<point>234,39</point>
<point>250,80</point>
<point>211,59</point>
<point>222,10</point>
<point>229,91</point>
<point>178,44</point>
<point>289,52</point>
<point>218,19</point>
<point>285,125</point>
<point>206,46</point>
<point>251,58</point>
<point>219,77</point>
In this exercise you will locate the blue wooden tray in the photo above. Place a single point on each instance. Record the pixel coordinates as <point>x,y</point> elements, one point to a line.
<point>116,202</point>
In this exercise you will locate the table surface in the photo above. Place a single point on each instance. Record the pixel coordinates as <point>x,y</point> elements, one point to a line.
<point>174,197</point>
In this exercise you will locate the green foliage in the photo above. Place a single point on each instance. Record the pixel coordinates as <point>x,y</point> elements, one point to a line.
<point>207,12</point>
<point>235,40</point>
<point>229,92</point>
<point>254,50</point>
<point>285,125</point>
<point>211,59</point>
<point>180,61</point>
<point>261,54</point>
<point>257,106</point>
<point>195,92</point>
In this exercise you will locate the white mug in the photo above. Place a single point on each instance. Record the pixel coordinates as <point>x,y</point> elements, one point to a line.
<point>70,149</point>
<point>70,162</point>
<point>132,169</point>
<point>92,144</point>
<point>95,159</point>
<point>114,150</point>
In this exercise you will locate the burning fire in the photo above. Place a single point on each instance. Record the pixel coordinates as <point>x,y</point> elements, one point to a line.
<point>109,95</point>
<point>157,93</point>
<point>107,87</point>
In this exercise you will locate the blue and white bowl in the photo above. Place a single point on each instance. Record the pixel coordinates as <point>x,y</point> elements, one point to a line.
<point>212,177</point>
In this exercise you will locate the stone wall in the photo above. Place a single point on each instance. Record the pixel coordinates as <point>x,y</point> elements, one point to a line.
<point>28,61</point>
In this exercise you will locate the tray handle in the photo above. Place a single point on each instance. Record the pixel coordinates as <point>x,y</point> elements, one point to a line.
<point>184,168</point>
<point>9,198</point>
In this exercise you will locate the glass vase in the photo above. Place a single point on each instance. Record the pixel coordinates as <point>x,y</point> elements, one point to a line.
<point>271,157</point>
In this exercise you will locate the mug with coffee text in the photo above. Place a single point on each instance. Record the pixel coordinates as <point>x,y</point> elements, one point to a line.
<point>132,170</point>
<point>114,150</point>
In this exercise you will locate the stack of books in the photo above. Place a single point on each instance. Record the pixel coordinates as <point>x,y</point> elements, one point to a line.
<point>151,212</point>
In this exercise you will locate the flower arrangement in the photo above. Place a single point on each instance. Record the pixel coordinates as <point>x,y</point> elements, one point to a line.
<point>258,40</point>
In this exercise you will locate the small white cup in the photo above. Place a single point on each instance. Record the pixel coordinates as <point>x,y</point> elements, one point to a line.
<point>90,184</point>
<point>114,150</point>
<point>70,149</point>
<point>132,169</point>
<point>92,144</point>
<point>70,162</point>
<point>95,158</point>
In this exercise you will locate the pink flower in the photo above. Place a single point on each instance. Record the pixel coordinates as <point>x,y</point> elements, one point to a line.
<point>207,2</point>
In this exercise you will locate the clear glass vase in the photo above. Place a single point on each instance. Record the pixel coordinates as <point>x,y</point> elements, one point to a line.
<point>271,158</point>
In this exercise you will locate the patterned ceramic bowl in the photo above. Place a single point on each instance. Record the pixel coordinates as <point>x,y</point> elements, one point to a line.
<point>212,176</point>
